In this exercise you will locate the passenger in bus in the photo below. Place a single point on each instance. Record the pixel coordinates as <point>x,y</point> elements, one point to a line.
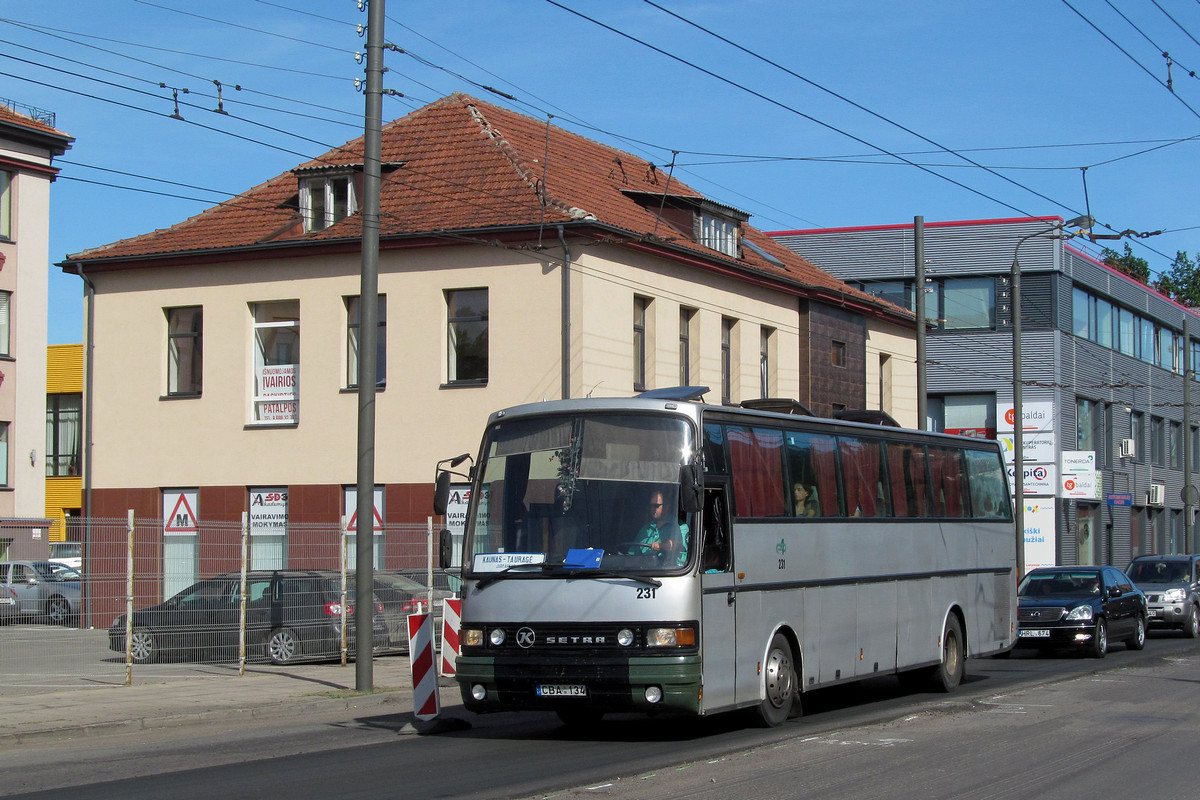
<point>804,500</point>
<point>662,535</point>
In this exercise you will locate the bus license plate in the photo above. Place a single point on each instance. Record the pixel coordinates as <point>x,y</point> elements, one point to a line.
<point>561,690</point>
<point>1035,633</point>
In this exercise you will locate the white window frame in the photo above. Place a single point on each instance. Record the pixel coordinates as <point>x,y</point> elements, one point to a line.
<point>6,182</point>
<point>325,211</point>
<point>719,233</point>
<point>270,408</point>
<point>5,327</point>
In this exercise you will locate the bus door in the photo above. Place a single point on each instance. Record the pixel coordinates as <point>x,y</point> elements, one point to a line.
<point>719,601</point>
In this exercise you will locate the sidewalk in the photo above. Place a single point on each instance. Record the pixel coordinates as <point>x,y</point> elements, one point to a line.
<point>187,694</point>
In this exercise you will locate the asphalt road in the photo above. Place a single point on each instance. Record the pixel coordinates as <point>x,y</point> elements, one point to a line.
<point>1070,722</point>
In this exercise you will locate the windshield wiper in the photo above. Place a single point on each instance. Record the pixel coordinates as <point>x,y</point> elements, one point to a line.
<point>562,569</point>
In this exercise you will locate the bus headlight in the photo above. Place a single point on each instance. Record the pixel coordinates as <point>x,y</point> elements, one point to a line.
<point>478,692</point>
<point>471,637</point>
<point>496,637</point>
<point>653,694</point>
<point>624,637</point>
<point>670,637</point>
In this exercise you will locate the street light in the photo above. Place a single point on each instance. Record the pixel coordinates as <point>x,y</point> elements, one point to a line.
<point>1084,223</point>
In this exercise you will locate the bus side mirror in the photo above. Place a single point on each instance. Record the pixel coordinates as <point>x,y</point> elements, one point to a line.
<point>441,494</point>
<point>691,488</point>
<point>445,548</point>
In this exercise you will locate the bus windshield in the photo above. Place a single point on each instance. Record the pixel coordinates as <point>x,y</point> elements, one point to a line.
<point>599,492</point>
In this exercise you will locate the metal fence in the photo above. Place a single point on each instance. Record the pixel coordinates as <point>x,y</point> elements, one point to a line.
<point>214,594</point>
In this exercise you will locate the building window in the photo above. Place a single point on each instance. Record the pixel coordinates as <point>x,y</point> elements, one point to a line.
<point>964,414</point>
<point>63,415</point>
<point>326,200</point>
<point>765,337</point>
<point>185,352</point>
<point>5,204</point>
<point>967,303</point>
<point>353,326</point>
<point>898,292</point>
<point>1137,432</point>
<point>1176,445</point>
<point>4,453</point>
<point>640,305</point>
<point>5,338</point>
<point>837,353</point>
<point>719,233</point>
<point>686,315</point>
<point>1158,441</point>
<point>727,360</point>
<point>276,376</point>
<point>467,339</point>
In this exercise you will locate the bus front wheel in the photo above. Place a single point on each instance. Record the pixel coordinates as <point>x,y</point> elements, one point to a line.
<point>779,683</point>
<point>948,674</point>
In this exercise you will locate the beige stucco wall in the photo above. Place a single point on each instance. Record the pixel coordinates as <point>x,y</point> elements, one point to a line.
<point>23,391</point>
<point>898,390</point>
<point>142,440</point>
<point>603,293</point>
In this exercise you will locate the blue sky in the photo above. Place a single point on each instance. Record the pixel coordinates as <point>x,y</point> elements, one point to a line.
<point>1031,92</point>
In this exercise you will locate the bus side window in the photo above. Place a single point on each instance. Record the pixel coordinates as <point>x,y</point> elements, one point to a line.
<point>715,555</point>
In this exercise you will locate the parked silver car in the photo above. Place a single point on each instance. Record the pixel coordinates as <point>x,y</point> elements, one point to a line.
<point>45,590</point>
<point>1171,584</point>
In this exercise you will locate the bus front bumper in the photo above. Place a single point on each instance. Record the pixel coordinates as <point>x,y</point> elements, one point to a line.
<point>667,684</point>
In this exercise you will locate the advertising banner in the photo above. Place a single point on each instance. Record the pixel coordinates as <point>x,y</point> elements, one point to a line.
<point>1038,447</point>
<point>179,512</point>
<point>1036,417</point>
<point>268,511</point>
<point>1040,538</point>
<point>1079,475</point>
<point>278,396</point>
<point>1039,479</point>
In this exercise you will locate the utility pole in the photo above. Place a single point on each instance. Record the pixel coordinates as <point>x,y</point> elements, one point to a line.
<point>1189,530</point>
<point>919,308</point>
<point>368,330</point>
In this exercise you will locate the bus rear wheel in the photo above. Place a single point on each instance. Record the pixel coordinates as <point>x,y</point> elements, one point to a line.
<point>779,683</point>
<point>947,675</point>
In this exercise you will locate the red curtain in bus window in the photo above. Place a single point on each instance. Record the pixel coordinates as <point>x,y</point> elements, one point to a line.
<point>910,489</point>
<point>861,474</point>
<point>895,459</point>
<point>824,461</point>
<point>948,485</point>
<point>756,456</point>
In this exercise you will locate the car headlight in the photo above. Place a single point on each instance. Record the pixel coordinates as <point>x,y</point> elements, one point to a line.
<point>1080,612</point>
<point>671,637</point>
<point>1174,596</point>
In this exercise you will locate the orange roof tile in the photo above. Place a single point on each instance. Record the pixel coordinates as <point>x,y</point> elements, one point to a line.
<point>460,164</point>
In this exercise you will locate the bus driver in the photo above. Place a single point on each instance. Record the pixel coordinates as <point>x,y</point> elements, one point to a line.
<point>661,534</point>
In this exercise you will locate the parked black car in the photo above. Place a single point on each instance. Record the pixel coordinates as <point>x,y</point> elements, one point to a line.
<point>290,615</point>
<point>1172,588</point>
<point>1082,607</point>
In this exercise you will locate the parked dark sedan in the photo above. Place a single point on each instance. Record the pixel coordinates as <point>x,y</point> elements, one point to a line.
<point>290,615</point>
<point>1082,607</point>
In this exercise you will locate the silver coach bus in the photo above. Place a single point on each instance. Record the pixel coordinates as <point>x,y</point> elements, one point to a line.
<point>660,555</point>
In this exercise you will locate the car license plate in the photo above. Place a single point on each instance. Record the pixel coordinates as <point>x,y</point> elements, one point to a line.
<point>561,690</point>
<point>6,601</point>
<point>1034,633</point>
<point>1156,612</point>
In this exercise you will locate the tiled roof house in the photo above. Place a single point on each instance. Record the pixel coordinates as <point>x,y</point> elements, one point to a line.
<point>518,262</point>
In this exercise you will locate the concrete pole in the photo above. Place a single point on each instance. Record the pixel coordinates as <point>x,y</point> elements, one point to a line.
<point>368,330</point>
<point>919,308</point>
<point>1189,530</point>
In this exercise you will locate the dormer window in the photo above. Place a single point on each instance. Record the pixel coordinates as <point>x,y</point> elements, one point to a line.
<point>718,233</point>
<point>707,223</point>
<point>326,198</point>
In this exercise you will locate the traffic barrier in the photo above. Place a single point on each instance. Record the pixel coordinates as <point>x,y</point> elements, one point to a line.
<point>451,618</point>
<point>425,680</point>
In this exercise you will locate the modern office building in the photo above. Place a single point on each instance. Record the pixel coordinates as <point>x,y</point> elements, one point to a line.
<point>1103,363</point>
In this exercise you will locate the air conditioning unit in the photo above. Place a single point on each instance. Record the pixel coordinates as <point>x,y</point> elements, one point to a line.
<point>1129,448</point>
<point>1157,494</point>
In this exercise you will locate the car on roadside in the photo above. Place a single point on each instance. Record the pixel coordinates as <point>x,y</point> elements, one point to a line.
<point>403,593</point>
<point>291,615</point>
<point>1171,584</point>
<point>69,553</point>
<point>43,590</point>
<point>1080,607</point>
